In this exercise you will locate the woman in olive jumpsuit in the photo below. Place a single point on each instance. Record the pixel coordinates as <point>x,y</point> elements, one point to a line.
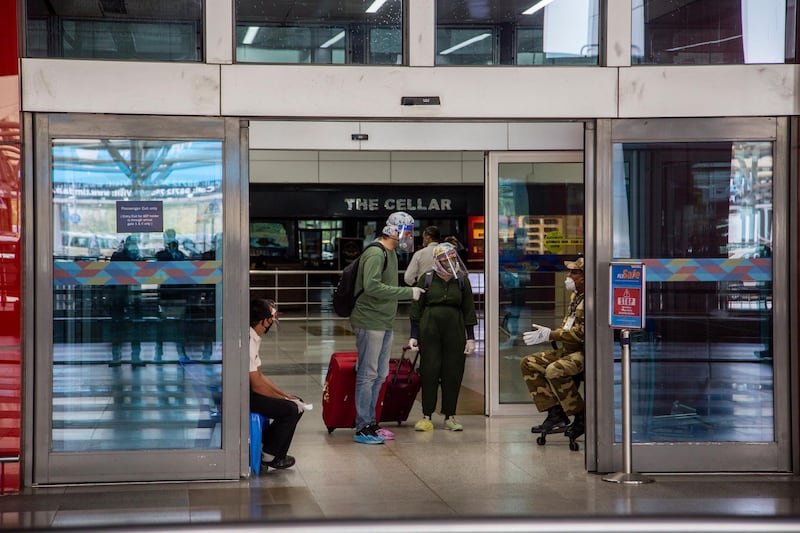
<point>443,322</point>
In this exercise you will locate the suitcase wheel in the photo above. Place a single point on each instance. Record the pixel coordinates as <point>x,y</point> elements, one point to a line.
<point>330,429</point>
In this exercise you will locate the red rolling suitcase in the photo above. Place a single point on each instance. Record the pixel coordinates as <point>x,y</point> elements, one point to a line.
<point>399,390</point>
<point>338,394</point>
<point>394,401</point>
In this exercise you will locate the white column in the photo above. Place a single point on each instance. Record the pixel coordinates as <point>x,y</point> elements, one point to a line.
<point>421,32</point>
<point>618,32</point>
<point>219,24</point>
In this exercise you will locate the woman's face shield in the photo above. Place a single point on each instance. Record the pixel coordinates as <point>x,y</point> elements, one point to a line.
<point>405,238</point>
<point>449,264</point>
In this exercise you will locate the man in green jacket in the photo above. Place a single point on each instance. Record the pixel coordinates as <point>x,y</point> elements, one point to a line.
<point>373,317</point>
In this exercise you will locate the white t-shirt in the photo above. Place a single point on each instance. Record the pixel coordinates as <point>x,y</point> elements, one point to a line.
<point>255,345</point>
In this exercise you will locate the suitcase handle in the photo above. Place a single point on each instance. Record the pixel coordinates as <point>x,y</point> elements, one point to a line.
<point>402,357</point>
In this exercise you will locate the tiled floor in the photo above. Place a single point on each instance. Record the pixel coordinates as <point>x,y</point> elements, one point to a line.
<point>493,469</point>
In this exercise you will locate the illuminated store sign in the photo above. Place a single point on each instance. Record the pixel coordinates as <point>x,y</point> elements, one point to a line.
<point>399,204</point>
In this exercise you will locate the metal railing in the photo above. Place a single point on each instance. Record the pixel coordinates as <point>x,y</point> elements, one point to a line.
<point>308,294</point>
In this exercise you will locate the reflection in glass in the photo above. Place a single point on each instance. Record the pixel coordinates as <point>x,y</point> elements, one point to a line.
<point>338,32</point>
<point>146,30</point>
<point>709,32</point>
<point>137,241</point>
<point>508,32</point>
<point>700,216</point>
<point>540,224</point>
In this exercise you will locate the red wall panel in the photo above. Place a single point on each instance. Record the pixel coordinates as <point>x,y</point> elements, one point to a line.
<point>10,257</point>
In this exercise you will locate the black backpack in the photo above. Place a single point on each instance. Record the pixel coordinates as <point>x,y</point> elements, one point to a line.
<point>344,297</point>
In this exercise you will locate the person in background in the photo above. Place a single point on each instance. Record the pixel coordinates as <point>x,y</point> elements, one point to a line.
<point>462,250</point>
<point>422,261</point>
<point>443,324</point>
<point>172,302</point>
<point>125,308</point>
<point>550,375</point>
<point>373,317</point>
<point>284,410</point>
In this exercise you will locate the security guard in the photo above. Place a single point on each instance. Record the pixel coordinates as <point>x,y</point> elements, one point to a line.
<point>550,375</point>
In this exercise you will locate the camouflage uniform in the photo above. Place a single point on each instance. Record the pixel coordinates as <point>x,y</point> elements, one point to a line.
<point>549,375</point>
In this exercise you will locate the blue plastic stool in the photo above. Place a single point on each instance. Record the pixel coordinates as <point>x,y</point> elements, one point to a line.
<point>257,424</point>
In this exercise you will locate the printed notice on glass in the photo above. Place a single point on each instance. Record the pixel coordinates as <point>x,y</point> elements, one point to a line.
<point>627,283</point>
<point>140,216</point>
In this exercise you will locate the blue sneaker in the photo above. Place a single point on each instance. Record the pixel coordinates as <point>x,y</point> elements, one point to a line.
<point>365,436</point>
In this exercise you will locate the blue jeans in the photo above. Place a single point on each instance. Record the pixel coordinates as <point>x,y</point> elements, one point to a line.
<point>374,348</point>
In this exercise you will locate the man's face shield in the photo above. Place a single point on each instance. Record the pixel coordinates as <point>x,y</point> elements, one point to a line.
<point>405,238</point>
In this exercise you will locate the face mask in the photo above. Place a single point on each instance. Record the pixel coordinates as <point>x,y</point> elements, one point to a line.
<point>405,239</point>
<point>569,284</point>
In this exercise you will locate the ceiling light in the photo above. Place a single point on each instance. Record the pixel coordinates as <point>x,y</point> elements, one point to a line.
<point>536,7</point>
<point>375,6</point>
<point>468,42</point>
<point>250,36</point>
<point>335,39</point>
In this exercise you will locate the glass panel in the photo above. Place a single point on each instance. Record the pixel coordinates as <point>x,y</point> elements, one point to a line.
<point>540,225</point>
<point>337,32</point>
<point>708,32</point>
<point>146,30</point>
<point>514,32</point>
<point>137,271</point>
<point>700,216</point>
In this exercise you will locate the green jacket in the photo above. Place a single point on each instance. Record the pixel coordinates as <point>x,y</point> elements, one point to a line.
<point>377,306</point>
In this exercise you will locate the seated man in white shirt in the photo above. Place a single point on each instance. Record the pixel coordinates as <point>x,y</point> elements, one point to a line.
<point>282,409</point>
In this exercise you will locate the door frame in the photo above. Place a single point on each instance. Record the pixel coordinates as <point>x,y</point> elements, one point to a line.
<point>491,268</point>
<point>702,456</point>
<point>43,467</point>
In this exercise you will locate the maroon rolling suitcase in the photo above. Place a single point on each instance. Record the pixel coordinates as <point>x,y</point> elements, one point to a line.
<point>338,394</point>
<point>399,390</point>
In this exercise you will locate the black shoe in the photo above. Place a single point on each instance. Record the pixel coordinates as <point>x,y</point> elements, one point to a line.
<point>556,420</point>
<point>577,428</point>
<point>138,364</point>
<point>114,364</point>
<point>286,461</point>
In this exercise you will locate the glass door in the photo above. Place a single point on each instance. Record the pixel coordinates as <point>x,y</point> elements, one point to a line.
<point>709,374</point>
<point>535,221</point>
<point>130,377</point>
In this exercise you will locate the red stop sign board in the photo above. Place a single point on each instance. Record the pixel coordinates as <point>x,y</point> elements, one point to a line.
<point>627,285</point>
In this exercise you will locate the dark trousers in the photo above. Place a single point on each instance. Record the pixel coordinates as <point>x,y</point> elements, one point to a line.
<point>283,416</point>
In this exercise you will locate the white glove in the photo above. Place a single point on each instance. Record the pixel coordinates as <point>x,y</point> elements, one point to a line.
<point>413,345</point>
<point>470,347</point>
<point>537,336</point>
<point>302,406</point>
<point>418,291</point>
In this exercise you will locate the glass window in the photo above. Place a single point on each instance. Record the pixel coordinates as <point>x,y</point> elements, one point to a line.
<point>137,271</point>
<point>145,30</point>
<point>540,225</point>
<point>700,216</point>
<point>709,32</point>
<point>337,32</point>
<point>514,32</point>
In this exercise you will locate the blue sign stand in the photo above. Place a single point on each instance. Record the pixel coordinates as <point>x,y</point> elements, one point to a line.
<point>626,312</point>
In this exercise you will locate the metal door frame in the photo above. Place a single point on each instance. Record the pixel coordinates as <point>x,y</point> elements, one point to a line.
<point>42,467</point>
<point>492,319</point>
<point>703,456</point>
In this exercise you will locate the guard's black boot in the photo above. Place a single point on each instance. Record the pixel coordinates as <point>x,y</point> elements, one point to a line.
<point>577,428</point>
<point>556,419</point>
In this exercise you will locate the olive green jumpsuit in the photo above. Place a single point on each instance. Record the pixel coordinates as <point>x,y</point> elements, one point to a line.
<point>442,321</point>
